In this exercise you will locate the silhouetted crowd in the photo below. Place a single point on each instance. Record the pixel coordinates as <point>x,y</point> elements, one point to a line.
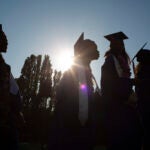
<point>115,117</point>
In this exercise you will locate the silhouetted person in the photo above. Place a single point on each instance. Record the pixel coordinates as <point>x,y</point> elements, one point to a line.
<point>10,101</point>
<point>142,89</point>
<point>121,121</point>
<point>74,112</point>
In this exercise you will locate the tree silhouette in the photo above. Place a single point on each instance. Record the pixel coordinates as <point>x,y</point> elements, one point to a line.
<point>45,86</point>
<point>56,78</point>
<point>38,82</point>
<point>28,80</point>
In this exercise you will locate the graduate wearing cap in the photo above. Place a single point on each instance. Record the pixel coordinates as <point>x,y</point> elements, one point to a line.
<point>142,88</point>
<point>122,123</point>
<point>74,95</point>
<point>116,66</point>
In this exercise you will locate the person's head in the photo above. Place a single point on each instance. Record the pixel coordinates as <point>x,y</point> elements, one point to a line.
<point>3,41</point>
<point>117,46</point>
<point>85,50</point>
<point>143,59</point>
<point>143,56</point>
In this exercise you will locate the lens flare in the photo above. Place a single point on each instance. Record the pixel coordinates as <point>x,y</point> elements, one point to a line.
<point>83,87</point>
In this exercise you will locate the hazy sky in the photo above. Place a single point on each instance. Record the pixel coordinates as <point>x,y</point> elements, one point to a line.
<point>53,26</point>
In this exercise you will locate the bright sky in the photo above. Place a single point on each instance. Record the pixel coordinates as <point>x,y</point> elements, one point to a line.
<point>53,26</point>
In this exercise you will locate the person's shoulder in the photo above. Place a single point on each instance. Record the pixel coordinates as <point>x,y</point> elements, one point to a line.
<point>4,66</point>
<point>71,71</point>
<point>66,76</point>
<point>66,80</point>
<point>109,58</point>
<point>70,75</point>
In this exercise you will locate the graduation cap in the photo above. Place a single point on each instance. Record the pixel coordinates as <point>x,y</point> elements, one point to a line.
<point>78,44</point>
<point>143,56</point>
<point>116,36</point>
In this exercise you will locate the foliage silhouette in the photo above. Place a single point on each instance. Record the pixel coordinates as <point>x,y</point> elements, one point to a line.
<point>37,84</point>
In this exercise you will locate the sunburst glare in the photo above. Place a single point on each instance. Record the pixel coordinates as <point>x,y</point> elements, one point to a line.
<point>63,60</point>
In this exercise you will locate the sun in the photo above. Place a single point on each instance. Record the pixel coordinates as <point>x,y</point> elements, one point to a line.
<point>63,60</point>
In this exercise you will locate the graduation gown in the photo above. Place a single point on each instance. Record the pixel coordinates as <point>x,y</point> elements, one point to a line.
<point>113,86</point>
<point>143,95</point>
<point>121,121</point>
<point>70,134</point>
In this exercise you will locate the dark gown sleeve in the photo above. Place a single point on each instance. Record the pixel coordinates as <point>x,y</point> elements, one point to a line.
<point>142,88</point>
<point>108,75</point>
<point>66,97</point>
<point>61,94</point>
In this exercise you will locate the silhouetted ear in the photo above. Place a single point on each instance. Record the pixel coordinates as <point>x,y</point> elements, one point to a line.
<point>78,44</point>
<point>0,27</point>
